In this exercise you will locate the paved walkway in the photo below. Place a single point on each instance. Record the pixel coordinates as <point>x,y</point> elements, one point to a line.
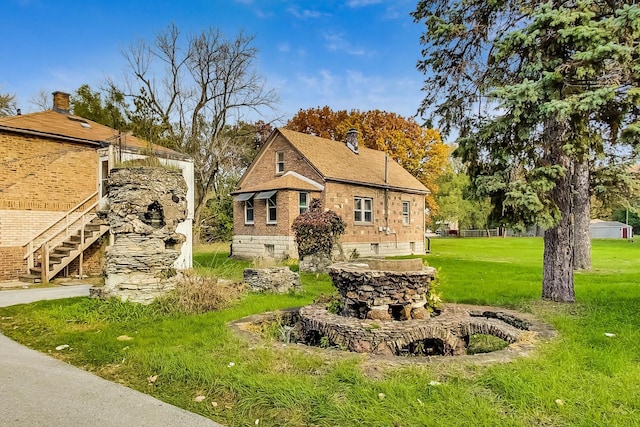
<point>38,390</point>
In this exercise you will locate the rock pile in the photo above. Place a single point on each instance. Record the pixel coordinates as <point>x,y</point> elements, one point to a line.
<point>279,280</point>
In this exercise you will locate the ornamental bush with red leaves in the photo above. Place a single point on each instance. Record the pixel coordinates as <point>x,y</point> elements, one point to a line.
<point>316,230</point>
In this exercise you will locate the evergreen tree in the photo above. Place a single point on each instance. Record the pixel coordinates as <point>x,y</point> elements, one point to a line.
<point>536,90</point>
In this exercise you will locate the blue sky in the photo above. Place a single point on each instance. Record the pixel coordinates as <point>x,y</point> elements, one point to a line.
<point>348,54</point>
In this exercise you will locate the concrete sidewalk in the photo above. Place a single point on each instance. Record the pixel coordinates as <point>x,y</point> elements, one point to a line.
<point>37,390</point>
<point>24,296</point>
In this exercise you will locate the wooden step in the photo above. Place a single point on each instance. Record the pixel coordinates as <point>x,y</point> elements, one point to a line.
<point>63,250</point>
<point>30,278</point>
<point>56,257</point>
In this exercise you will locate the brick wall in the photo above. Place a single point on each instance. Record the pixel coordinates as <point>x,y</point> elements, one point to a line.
<point>93,259</point>
<point>40,180</point>
<point>17,227</point>
<point>41,174</point>
<point>340,199</point>
<point>11,263</point>
<point>265,167</point>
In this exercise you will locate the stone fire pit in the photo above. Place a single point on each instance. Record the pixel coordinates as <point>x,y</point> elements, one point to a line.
<point>383,289</point>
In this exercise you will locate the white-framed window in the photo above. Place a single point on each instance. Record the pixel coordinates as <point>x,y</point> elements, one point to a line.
<point>363,209</point>
<point>406,213</point>
<point>303,202</point>
<point>272,210</point>
<point>279,162</point>
<point>248,211</point>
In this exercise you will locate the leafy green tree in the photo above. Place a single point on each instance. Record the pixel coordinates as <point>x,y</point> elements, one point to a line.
<point>111,111</point>
<point>456,202</point>
<point>535,90</point>
<point>216,223</point>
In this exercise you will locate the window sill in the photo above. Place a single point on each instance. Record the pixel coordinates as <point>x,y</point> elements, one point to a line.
<point>272,223</point>
<point>359,223</point>
<point>249,223</point>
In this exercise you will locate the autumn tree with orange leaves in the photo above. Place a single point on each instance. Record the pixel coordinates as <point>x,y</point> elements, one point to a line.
<point>418,149</point>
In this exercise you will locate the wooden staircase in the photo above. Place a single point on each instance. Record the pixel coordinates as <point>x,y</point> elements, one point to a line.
<point>59,249</point>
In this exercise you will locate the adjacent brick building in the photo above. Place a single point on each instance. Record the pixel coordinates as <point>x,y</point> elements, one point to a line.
<point>382,204</point>
<point>53,163</point>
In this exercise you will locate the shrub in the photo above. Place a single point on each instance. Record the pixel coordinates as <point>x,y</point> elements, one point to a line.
<point>198,294</point>
<point>316,231</point>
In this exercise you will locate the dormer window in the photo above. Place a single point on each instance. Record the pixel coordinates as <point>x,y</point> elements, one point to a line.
<point>280,162</point>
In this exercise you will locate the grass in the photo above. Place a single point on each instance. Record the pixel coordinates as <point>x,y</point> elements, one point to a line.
<point>582,378</point>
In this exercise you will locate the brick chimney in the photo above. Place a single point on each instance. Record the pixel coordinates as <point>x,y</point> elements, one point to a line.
<point>61,102</point>
<point>352,140</point>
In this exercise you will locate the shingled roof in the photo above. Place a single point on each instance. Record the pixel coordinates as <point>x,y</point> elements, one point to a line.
<point>54,124</point>
<point>336,162</point>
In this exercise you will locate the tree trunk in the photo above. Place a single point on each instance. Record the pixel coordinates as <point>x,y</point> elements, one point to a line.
<point>582,216</point>
<point>557,275</point>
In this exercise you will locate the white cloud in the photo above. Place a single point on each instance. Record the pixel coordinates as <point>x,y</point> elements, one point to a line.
<point>361,3</point>
<point>351,89</point>
<point>305,14</point>
<point>284,47</point>
<point>337,43</point>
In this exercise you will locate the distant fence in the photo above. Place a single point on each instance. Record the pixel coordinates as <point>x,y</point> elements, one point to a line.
<point>492,232</point>
<point>498,232</point>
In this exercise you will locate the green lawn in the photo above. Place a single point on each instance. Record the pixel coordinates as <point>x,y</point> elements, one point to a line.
<point>582,378</point>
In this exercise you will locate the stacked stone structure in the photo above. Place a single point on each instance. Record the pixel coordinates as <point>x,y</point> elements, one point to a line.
<point>146,204</point>
<point>383,289</point>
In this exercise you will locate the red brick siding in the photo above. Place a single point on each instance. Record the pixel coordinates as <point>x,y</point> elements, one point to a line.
<point>11,263</point>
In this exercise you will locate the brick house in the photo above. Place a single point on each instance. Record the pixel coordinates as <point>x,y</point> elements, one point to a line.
<point>382,204</point>
<point>53,167</point>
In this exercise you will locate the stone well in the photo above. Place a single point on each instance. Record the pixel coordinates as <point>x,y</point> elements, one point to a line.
<point>383,289</point>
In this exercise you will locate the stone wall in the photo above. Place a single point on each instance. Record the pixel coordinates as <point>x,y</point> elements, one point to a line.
<point>383,290</point>
<point>279,280</point>
<point>448,333</point>
<point>145,206</point>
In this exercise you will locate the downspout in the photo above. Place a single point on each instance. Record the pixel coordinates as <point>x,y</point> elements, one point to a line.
<point>386,199</point>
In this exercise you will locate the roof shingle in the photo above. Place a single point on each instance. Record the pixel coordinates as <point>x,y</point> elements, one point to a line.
<point>335,161</point>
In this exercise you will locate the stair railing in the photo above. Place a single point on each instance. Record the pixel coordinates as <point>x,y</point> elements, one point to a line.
<point>69,227</point>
